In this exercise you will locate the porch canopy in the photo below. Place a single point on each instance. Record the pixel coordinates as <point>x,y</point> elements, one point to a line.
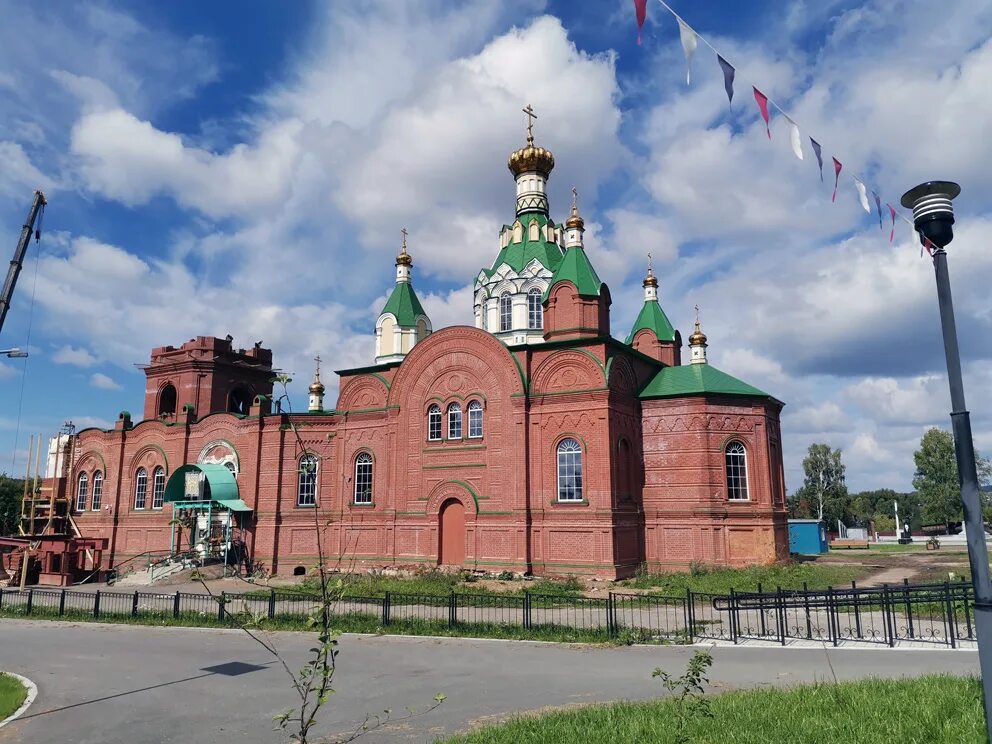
<point>205,483</point>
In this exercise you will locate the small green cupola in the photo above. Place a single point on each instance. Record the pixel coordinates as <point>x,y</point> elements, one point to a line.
<point>402,322</point>
<point>575,266</point>
<point>653,333</point>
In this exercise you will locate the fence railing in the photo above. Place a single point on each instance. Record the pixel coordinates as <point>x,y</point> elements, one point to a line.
<point>940,614</point>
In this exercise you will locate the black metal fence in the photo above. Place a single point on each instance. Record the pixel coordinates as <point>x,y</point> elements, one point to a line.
<point>888,615</point>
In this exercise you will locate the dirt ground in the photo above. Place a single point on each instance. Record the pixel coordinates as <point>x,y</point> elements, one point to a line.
<point>917,566</point>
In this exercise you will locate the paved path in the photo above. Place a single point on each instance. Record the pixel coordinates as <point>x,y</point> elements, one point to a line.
<point>110,684</point>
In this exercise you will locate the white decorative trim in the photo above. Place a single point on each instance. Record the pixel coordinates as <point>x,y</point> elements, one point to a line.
<point>32,694</point>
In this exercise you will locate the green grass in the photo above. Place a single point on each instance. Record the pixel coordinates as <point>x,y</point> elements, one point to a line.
<point>721,580</point>
<point>929,709</point>
<point>12,694</point>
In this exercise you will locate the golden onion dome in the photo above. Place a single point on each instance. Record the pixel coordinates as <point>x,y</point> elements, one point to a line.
<point>404,258</point>
<point>575,219</point>
<point>650,280</point>
<point>698,338</point>
<point>317,387</point>
<point>531,159</point>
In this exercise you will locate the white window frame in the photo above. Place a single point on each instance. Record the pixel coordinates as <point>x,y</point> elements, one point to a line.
<point>434,425</point>
<point>734,479</point>
<point>82,491</point>
<point>96,497</point>
<point>455,421</point>
<point>475,420</point>
<point>308,471</point>
<point>364,478</point>
<point>140,489</point>
<point>570,486</point>
<point>535,311</point>
<point>505,312</point>
<point>158,494</point>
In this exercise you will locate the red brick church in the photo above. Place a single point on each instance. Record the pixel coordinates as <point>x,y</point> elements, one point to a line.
<point>534,441</point>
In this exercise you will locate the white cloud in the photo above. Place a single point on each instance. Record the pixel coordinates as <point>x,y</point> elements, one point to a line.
<point>69,354</point>
<point>817,419</point>
<point>103,382</point>
<point>918,400</point>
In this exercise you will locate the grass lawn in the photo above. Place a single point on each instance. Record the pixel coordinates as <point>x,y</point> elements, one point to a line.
<point>12,694</point>
<point>928,709</point>
<point>722,580</point>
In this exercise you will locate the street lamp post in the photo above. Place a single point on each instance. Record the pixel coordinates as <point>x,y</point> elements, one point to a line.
<point>933,217</point>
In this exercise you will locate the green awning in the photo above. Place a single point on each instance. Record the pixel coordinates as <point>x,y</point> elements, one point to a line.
<point>205,482</point>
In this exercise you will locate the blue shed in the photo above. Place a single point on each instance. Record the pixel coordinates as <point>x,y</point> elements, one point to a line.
<point>807,536</point>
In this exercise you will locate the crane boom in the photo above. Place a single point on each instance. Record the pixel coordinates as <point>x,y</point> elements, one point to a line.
<point>18,260</point>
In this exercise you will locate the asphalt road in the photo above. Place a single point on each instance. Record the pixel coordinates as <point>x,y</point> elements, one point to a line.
<point>110,684</point>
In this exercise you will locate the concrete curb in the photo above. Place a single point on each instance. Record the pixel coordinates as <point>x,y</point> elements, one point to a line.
<point>32,694</point>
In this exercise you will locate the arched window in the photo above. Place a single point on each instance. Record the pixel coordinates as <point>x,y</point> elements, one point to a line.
<point>535,313</point>
<point>736,458</point>
<point>167,401</point>
<point>475,420</point>
<point>534,233</point>
<point>140,488</point>
<point>158,488</point>
<point>454,421</point>
<point>434,423</point>
<point>624,468</point>
<point>239,401</point>
<point>306,484</point>
<point>569,470</point>
<point>505,312</point>
<point>97,491</point>
<point>363,478</point>
<point>82,491</point>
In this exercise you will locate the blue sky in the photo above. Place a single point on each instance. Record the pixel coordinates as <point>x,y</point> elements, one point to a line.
<point>245,168</point>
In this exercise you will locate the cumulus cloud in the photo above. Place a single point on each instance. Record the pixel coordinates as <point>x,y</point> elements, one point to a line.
<point>103,382</point>
<point>80,357</point>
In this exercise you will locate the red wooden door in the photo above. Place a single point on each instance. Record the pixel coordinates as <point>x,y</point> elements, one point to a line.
<point>452,538</point>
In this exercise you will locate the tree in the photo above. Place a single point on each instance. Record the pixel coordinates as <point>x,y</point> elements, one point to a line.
<point>10,503</point>
<point>936,477</point>
<point>824,486</point>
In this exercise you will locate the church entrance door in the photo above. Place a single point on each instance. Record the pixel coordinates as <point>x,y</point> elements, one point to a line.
<point>452,537</point>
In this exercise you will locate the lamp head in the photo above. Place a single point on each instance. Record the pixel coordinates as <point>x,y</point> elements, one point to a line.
<point>933,215</point>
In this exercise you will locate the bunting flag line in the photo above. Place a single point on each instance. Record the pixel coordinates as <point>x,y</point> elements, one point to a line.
<point>797,147</point>
<point>878,208</point>
<point>862,195</point>
<point>818,151</point>
<point>728,79</point>
<point>837,167</point>
<point>892,212</point>
<point>688,37</point>
<point>641,11</point>
<point>928,246</point>
<point>762,101</point>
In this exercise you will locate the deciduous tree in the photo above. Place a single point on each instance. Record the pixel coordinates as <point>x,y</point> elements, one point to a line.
<point>936,478</point>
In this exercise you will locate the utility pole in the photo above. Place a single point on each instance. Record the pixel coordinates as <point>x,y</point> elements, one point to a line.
<point>37,209</point>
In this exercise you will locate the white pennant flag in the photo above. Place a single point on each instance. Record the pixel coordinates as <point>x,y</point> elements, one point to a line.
<point>688,37</point>
<point>794,136</point>
<point>862,194</point>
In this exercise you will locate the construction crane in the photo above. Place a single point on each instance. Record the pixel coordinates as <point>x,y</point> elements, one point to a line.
<point>34,215</point>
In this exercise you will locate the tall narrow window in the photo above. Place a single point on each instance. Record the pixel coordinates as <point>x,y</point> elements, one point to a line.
<point>167,401</point>
<point>82,491</point>
<point>569,470</point>
<point>158,488</point>
<point>140,488</point>
<point>97,491</point>
<point>306,484</point>
<point>535,312</point>
<point>363,478</point>
<point>434,423</point>
<point>505,312</point>
<point>475,420</point>
<point>454,421</point>
<point>736,472</point>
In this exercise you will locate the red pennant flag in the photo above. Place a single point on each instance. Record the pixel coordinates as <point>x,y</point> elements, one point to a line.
<point>837,167</point>
<point>762,100</point>
<point>892,213</point>
<point>930,247</point>
<point>641,9</point>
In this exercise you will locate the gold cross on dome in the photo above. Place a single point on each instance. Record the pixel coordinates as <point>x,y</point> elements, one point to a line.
<point>575,199</point>
<point>318,360</point>
<point>650,264</point>
<point>530,123</point>
<point>405,233</point>
<point>697,315</point>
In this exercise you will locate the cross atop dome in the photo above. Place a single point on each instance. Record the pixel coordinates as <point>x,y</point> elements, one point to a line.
<point>531,159</point>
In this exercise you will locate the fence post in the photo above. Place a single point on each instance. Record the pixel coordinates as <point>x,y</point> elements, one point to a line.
<point>809,620</point>
<point>761,612</point>
<point>30,601</point>
<point>781,615</point>
<point>386,602</point>
<point>2,592</point>
<point>831,614</point>
<point>733,616</point>
<point>452,610</point>
<point>949,607</point>
<point>175,605</point>
<point>134,605</point>
<point>857,608</point>
<point>96,604</point>
<point>909,607</point>
<point>964,600</point>
<point>272,604</point>
<point>220,605</point>
<point>887,615</point>
<point>527,618</point>
<point>62,604</point>
<point>689,617</point>
<point>611,619</point>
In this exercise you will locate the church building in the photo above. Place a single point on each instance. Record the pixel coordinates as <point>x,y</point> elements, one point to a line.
<point>533,441</point>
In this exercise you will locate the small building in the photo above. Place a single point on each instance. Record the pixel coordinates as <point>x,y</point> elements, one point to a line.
<point>807,536</point>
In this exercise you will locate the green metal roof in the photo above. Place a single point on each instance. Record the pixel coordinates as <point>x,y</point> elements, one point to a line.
<point>404,305</point>
<point>653,318</point>
<point>221,482</point>
<point>576,268</point>
<point>518,255</point>
<point>696,379</point>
